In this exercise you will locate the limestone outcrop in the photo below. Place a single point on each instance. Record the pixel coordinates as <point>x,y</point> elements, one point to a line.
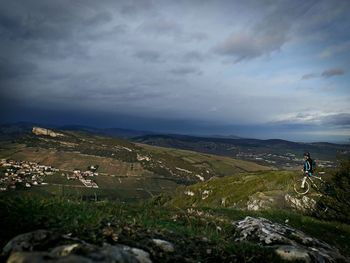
<point>47,132</point>
<point>288,243</point>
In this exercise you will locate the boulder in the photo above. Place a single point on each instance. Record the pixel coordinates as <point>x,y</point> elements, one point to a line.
<point>43,246</point>
<point>36,240</point>
<point>164,245</point>
<point>289,243</point>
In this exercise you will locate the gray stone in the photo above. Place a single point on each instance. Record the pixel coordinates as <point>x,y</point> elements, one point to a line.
<point>303,204</point>
<point>64,250</point>
<point>29,241</point>
<point>284,238</point>
<point>260,201</point>
<point>141,255</point>
<point>39,257</point>
<point>292,253</point>
<point>28,248</point>
<point>164,245</point>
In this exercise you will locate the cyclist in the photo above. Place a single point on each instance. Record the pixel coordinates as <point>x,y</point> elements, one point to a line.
<point>308,167</point>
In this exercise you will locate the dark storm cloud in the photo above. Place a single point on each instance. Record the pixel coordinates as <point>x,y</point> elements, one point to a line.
<point>40,20</point>
<point>332,72</point>
<point>149,56</point>
<point>341,119</point>
<point>10,69</point>
<point>155,59</point>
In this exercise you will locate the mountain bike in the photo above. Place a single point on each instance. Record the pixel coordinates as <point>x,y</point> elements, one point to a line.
<point>302,186</point>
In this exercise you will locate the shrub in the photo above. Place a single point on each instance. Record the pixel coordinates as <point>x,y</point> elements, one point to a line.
<point>335,201</point>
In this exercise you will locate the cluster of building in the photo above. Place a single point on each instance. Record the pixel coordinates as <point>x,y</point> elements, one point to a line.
<point>23,174</point>
<point>84,177</point>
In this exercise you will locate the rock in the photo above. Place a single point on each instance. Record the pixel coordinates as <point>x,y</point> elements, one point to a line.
<point>291,253</point>
<point>39,257</point>
<point>304,204</point>
<point>64,250</point>
<point>141,255</point>
<point>47,132</point>
<point>30,241</point>
<point>34,247</point>
<point>287,241</point>
<point>259,201</point>
<point>164,245</point>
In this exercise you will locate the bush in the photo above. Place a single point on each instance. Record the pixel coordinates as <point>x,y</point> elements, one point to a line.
<point>335,201</point>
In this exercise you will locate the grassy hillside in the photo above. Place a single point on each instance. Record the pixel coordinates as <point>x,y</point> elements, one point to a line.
<point>127,171</point>
<point>201,234</point>
<point>236,191</point>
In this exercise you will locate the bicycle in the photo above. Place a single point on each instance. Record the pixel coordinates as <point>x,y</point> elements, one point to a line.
<point>315,182</point>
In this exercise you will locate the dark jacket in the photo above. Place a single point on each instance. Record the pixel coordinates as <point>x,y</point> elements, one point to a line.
<point>308,166</point>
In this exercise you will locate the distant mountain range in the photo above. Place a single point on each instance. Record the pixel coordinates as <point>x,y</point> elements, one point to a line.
<point>272,151</point>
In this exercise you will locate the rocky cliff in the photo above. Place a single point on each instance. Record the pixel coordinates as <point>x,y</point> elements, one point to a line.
<point>47,132</point>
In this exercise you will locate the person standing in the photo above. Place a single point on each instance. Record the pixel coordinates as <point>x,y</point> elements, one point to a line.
<point>308,168</point>
<point>308,164</point>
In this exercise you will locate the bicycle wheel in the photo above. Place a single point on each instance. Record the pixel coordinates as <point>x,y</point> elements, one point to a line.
<point>298,189</point>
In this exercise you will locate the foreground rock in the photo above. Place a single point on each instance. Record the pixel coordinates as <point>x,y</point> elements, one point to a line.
<point>289,243</point>
<point>38,246</point>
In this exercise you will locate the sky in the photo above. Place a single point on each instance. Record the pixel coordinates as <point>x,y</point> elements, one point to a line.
<point>255,68</point>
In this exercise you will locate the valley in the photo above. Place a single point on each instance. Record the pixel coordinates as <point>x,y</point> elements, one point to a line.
<point>125,170</point>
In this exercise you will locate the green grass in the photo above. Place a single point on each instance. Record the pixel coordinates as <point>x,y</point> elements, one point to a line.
<point>57,178</point>
<point>135,223</point>
<point>237,189</point>
<point>220,164</point>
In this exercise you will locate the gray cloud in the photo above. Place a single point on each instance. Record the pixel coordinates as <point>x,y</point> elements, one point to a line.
<point>161,27</point>
<point>332,72</point>
<point>244,45</point>
<point>325,74</point>
<point>329,120</point>
<point>199,36</point>
<point>341,119</point>
<point>149,56</point>
<point>309,76</point>
<point>335,49</point>
<point>155,58</point>
<point>193,56</point>
<point>268,35</point>
<point>185,71</point>
<point>10,69</point>
<point>134,7</point>
<point>38,20</point>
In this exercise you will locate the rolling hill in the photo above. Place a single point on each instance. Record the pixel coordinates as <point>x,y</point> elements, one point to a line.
<point>126,170</point>
<point>279,153</point>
